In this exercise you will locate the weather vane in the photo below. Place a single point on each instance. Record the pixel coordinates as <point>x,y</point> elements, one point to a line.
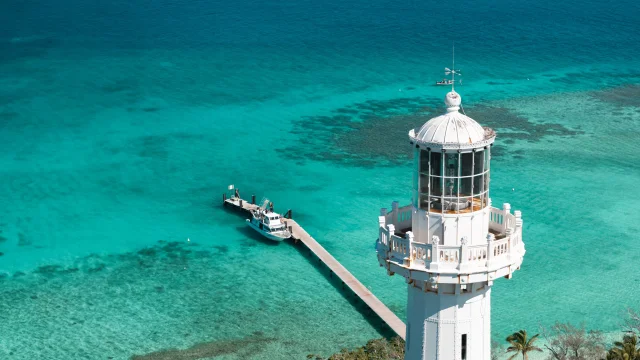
<point>453,72</point>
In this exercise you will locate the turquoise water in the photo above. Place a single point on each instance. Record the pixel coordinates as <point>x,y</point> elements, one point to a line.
<point>122,124</point>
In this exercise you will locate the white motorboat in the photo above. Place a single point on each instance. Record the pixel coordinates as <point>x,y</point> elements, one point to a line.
<point>268,223</point>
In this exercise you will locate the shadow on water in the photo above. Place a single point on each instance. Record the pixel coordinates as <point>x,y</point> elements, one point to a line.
<point>253,235</point>
<point>372,318</point>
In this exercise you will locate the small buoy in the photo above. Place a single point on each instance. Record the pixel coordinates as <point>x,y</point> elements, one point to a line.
<point>188,240</point>
<point>527,78</point>
<point>513,189</point>
<point>399,89</point>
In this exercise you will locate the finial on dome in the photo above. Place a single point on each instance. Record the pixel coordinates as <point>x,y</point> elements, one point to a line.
<point>453,101</point>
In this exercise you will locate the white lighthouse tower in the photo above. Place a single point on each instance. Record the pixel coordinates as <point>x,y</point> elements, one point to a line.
<point>450,244</point>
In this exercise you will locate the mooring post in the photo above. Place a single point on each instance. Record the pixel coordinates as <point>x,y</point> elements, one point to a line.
<point>240,203</point>
<point>253,199</point>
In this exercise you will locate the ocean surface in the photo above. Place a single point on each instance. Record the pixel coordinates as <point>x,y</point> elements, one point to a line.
<point>123,122</point>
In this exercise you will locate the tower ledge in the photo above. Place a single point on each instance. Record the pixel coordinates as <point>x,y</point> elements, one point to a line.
<point>499,256</point>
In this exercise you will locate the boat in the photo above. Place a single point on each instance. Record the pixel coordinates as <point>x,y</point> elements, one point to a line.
<point>444,82</point>
<point>268,223</point>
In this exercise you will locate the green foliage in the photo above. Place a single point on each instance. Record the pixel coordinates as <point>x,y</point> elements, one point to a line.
<point>379,349</point>
<point>522,344</point>
<point>627,349</point>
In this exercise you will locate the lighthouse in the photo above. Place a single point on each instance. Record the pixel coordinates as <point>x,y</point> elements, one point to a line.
<point>450,243</point>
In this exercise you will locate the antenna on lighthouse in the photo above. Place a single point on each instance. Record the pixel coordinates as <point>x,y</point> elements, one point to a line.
<point>453,72</point>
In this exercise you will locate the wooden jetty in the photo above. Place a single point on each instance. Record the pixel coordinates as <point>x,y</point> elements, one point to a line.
<point>299,234</point>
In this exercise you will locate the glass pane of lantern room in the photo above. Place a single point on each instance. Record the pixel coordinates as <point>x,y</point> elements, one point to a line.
<point>436,163</point>
<point>478,184</point>
<point>465,186</point>
<point>486,181</point>
<point>436,193</point>
<point>478,162</point>
<point>451,186</point>
<point>424,161</point>
<point>424,202</point>
<point>436,186</point>
<point>451,164</point>
<point>424,183</point>
<point>467,164</point>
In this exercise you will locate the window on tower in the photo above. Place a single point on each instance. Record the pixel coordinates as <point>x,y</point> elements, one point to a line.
<point>463,348</point>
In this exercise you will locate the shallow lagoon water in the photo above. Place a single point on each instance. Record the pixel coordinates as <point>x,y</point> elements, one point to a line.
<point>119,133</point>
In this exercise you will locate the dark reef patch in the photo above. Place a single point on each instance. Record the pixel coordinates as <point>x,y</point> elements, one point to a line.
<point>512,126</point>
<point>149,251</point>
<point>223,249</point>
<point>48,270</point>
<point>374,133</point>
<point>244,348</point>
<point>96,268</point>
<point>627,95</point>
<point>166,254</point>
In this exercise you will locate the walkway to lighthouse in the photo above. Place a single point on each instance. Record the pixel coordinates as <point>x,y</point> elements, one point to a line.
<point>299,234</point>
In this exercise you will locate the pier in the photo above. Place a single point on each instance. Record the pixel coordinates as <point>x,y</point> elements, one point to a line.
<point>299,234</point>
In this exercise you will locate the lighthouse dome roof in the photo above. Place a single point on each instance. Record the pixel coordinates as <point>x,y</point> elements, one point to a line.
<point>452,130</point>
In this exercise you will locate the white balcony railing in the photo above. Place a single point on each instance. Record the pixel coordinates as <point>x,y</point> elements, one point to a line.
<point>400,217</point>
<point>464,258</point>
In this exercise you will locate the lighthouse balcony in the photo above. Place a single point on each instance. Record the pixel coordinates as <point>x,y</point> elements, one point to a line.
<point>499,256</point>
